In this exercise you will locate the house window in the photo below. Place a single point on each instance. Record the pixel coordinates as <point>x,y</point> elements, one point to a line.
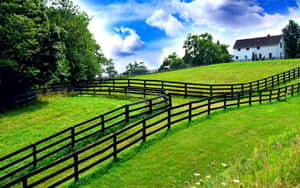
<point>246,57</point>
<point>247,48</point>
<point>259,56</point>
<point>239,49</point>
<point>237,57</point>
<point>280,55</point>
<point>258,47</point>
<point>270,55</point>
<point>281,45</point>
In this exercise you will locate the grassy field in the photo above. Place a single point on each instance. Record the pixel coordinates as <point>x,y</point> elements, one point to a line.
<point>49,115</point>
<point>235,137</point>
<point>237,72</point>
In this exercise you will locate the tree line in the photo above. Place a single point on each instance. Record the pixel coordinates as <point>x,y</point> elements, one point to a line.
<point>44,42</point>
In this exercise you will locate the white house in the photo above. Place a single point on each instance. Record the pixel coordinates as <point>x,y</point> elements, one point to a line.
<point>269,47</point>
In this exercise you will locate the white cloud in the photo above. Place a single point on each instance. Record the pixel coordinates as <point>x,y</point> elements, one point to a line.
<point>127,45</point>
<point>165,21</point>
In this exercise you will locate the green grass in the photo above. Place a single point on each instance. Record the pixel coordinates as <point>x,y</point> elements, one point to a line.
<point>49,115</point>
<point>170,158</point>
<point>236,72</point>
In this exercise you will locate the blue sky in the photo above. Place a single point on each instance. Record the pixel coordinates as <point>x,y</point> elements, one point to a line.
<point>149,30</point>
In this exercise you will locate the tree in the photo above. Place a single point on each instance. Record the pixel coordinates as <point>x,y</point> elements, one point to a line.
<point>298,48</point>
<point>136,68</point>
<point>291,33</point>
<point>200,49</point>
<point>172,61</point>
<point>28,51</point>
<point>110,68</point>
<point>82,55</point>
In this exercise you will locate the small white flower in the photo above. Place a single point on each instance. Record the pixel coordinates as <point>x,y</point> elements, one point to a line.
<point>198,183</point>
<point>236,181</point>
<point>193,187</point>
<point>224,164</point>
<point>208,176</point>
<point>196,174</point>
<point>224,184</point>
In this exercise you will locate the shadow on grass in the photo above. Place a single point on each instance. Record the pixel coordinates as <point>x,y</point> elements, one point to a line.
<point>36,105</point>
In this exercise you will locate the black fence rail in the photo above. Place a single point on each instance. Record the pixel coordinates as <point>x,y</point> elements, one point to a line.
<point>195,89</point>
<point>49,149</point>
<point>72,165</point>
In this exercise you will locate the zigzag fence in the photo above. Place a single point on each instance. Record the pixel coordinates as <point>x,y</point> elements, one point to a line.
<point>195,89</point>
<point>73,164</point>
<point>70,139</point>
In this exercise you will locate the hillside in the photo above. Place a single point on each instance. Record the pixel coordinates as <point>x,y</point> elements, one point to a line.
<point>171,158</point>
<point>235,72</point>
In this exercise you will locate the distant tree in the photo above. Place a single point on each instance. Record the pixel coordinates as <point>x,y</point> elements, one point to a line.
<point>298,48</point>
<point>200,49</point>
<point>291,34</point>
<point>136,68</point>
<point>172,61</point>
<point>110,68</point>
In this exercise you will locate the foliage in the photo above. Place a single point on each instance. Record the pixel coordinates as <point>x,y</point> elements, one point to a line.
<point>172,61</point>
<point>291,33</point>
<point>110,68</point>
<point>41,45</point>
<point>298,48</point>
<point>136,68</point>
<point>200,49</point>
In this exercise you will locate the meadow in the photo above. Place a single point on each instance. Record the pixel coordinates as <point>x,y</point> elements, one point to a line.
<point>228,146</point>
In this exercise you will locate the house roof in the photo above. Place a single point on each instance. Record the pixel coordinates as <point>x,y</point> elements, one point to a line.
<point>260,41</point>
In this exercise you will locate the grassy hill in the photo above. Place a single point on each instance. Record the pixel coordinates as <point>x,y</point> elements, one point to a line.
<point>257,137</point>
<point>49,115</point>
<point>235,72</point>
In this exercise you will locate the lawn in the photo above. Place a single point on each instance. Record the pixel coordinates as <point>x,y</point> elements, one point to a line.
<point>171,158</point>
<point>49,115</point>
<point>236,72</point>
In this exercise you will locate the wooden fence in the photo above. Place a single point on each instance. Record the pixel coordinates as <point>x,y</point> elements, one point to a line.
<point>69,139</point>
<point>73,164</point>
<point>195,89</point>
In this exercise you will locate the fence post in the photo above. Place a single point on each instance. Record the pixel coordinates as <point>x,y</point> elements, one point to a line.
<point>76,166</point>
<point>272,81</point>
<point>170,100</point>
<point>109,92</point>
<point>115,145</point>
<point>144,130</point>
<point>250,86</point>
<point>102,123</point>
<point>150,106</point>
<point>242,89</point>
<point>278,79</point>
<point>238,99</point>
<point>127,112</point>
<point>258,85</point>
<point>278,96</point>
<point>284,77</point>
<point>34,155</point>
<point>169,118</point>
<point>260,96</point>
<point>185,90</point>
<point>232,91</point>
<point>250,98</point>
<point>289,75</point>
<point>144,88</point>
<point>128,82</point>
<point>266,83</point>
<point>270,97</point>
<point>190,111</point>
<point>162,84</point>
<point>24,182</point>
<point>298,71</point>
<point>211,90</point>
<point>114,84</point>
<point>225,100</point>
<point>292,90</point>
<point>208,106</point>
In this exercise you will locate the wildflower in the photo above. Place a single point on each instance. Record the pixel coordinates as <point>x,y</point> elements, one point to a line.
<point>224,184</point>
<point>198,183</point>
<point>224,165</point>
<point>196,174</point>
<point>208,176</point>
<point>236,181</point>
